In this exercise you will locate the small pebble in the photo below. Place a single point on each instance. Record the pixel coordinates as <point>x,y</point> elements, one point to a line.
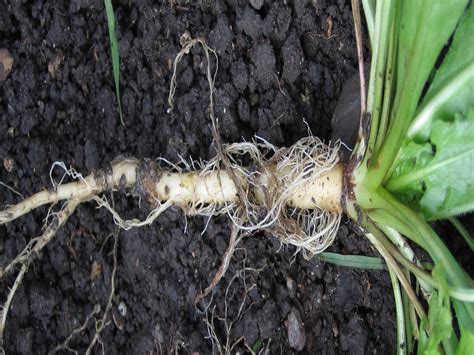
<point>8,164</point>
<point>291,286</point>
<point>256,4</point>
<point>185,38</point>
<point>54,64</point>
<point>122,308</point>
<point>6,63</point>
<point>296,332</point>
<point>96,270</point>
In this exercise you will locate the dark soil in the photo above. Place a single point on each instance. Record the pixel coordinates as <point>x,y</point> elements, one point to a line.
<point>277,69</point>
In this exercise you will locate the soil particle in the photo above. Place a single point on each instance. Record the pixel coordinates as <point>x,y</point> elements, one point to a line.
<point>277,23</point>
<point>250,23</point>
<point>24,343</point>
<point>291,286</point>
<point>90,154</point>
<point>354,336</point>
<point>240,77</point>
<point>267,319</point>
<point>220,37</point>
<point>264,60</point>
<point>54,64</point>
<point>292,59</point>
<point>243,110</point>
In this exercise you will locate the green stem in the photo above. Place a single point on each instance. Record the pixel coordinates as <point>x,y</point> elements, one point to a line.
<point>423,278</point>
<point>369,6</point>
<point>387,85</point>
<point>428,238</point>
<point>431,242</point>
<point>374,236</point>
<point>411,321</point>
<point>114,52</point>
<point>383,23</point>
<point>403,107</point>
<point>383,217</point>
<point>420,274</point>
<point>401,325</point>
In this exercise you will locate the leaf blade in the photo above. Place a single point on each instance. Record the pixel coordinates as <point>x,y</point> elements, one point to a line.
<point>437,177</point>
<point>114,51</point>
<point>452,88</point>
<point>354,261</point>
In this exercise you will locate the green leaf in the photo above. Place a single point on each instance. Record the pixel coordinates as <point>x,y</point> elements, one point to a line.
<point>257,346</point>
<point>424,30</point>
<point>114,51</point>
<point>466,343</point>
<point>369,11</point>
<point>439,317</point>
<point>413,157</point>
<point>452,89</point>
<point>355,261</point>
<point>438,177</point>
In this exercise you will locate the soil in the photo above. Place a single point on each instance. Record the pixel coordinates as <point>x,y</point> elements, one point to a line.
<point>281,64</point>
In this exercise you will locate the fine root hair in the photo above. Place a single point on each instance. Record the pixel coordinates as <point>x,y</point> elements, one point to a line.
<point>235,238</point>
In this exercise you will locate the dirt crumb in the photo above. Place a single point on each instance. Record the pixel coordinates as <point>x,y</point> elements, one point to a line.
<point>264,60</point>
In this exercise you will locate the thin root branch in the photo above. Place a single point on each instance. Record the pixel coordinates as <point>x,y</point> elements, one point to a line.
<point>227,321</point>
<point>102,323</point>
<point>128,224</point>
<point>65,344</point>
<point>38,243</point>
<point>235,239</point>
<point>12,190</point>
<point>6,306</point>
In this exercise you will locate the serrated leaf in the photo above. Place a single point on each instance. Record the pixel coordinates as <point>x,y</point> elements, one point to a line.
<point>437,177</point>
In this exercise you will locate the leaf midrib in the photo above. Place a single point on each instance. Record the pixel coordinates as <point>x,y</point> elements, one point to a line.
<point>405,180</point>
